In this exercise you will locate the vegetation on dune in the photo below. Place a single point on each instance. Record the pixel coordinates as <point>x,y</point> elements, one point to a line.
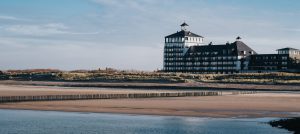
<point>112,75</point>
<point>263,78</point>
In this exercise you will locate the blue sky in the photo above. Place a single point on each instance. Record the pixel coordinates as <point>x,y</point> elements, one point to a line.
<point>129,34</point>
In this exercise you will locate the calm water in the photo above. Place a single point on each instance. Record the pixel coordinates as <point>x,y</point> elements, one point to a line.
<point>42,122</point>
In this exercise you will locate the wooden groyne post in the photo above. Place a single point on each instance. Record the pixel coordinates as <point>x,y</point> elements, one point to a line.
<point>243,92</point>
<point>6,99</point>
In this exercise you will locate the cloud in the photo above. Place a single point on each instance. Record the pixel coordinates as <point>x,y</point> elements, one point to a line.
<point>219,23</point>
<point>138,5</point>
<point>70,55</point>
<point>292,29</point>
<point>11,18</point>
<point>127,30</point>
<point>108,2</point>
<point>43,29</point>
<point>8,18</point>
<point>125,3</point>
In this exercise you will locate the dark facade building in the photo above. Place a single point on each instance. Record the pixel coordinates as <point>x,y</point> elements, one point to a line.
<point>185,52</point>
<point>287,59</point>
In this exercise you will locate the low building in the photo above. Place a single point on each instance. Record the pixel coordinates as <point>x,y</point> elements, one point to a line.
<point>185,52</point>
<point>287,59</point>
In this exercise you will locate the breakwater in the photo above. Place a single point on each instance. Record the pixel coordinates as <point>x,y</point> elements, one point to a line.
<point>243,92</point>
<point>7,99</point>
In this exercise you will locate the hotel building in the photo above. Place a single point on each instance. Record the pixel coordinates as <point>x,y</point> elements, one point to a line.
<point>185,52</point>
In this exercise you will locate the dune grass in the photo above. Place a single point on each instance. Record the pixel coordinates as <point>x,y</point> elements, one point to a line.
<point>111,75</point>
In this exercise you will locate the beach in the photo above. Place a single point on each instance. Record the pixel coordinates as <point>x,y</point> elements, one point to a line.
<point>260,104</point>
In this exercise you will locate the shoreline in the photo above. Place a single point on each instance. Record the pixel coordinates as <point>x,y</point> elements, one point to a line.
<point>281,114</point>
<point>260,104</point>
<point>156,115</point>
<point>157,86</point>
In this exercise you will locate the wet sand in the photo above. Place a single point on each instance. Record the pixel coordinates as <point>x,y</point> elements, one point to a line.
<point>20,90</point>
<point>262,104</point>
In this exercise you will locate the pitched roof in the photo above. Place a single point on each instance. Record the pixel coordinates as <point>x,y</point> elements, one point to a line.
<point>241,46</point>
<point>184,24</point>
<point>183,33</point>
<point>288,48</point>
<point>237,48</point>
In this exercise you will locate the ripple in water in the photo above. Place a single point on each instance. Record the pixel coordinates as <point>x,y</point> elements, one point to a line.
<point>49,122</point>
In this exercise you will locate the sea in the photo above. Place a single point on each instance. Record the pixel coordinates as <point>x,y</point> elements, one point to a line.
<point>53,122</point>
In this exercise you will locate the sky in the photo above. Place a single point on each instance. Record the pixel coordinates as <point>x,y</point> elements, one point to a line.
<point>129,34</point>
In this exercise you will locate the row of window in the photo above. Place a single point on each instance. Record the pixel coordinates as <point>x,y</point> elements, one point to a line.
<point>204,53</point>
<point>275,63</point>
<point>179,39</point>
<point>173,58</point>
<point>173,55</point>
<point>269,68</point>
<point>200,68</point>
<point>177,56</point>
<point>294,52</point>
<point>271,58</point>
<point>225,52</point>
<point>174,63</point>
<point>201,63</point>
<point>173,50</point>
<point>171,45</point>
<point>213,58</point>
<point>210,63</point>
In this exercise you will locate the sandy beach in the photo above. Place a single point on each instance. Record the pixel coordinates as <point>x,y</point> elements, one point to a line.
<point>16,90</point>
<point>145,85</point>
<point>261,104</point>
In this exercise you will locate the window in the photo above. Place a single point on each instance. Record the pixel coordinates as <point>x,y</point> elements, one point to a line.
<point>284,57</point>
<point>244,52</point>
<point>286,52</point>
